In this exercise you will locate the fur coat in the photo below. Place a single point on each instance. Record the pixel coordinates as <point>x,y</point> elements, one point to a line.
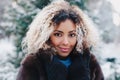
<point>43,66</point>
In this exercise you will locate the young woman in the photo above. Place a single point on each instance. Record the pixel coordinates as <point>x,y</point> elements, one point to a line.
<point>59,41</point>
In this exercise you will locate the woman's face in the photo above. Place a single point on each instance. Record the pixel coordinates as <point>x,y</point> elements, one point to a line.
<point>64,38</point>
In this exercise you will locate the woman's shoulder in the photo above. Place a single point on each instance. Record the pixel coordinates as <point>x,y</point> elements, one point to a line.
<point>93,59</point>
<point>29,60</point>
<point>95,68</point>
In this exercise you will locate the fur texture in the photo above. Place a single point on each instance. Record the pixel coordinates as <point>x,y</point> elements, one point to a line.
<point>41,66</point>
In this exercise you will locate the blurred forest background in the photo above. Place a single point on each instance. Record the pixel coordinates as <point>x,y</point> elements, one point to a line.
<point>16,15</point>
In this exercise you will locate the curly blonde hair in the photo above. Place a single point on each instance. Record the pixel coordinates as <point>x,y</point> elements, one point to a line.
<point>42,27</point>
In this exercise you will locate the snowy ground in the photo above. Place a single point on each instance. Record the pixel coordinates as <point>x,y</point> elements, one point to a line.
<point>7,70</point>
<point>111,51</point>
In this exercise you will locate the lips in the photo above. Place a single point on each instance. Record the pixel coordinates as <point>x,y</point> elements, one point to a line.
<point>64,49</point>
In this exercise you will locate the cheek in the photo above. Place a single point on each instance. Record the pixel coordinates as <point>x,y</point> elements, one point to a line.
<point>54,41</point>
<point>73,42</point>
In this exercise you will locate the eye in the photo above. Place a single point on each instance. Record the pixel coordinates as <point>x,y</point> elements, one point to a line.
<point>57,34</point>
<point>72,34</point>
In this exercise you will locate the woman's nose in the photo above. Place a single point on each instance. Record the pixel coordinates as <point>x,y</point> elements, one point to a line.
<point>65,41</point>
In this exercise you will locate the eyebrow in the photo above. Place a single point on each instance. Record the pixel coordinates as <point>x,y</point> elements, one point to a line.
<point>58,31</point>
<point>62,32</point>
<point>72,31</point>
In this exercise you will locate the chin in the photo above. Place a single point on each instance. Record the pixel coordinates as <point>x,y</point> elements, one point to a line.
<point>64,55</point>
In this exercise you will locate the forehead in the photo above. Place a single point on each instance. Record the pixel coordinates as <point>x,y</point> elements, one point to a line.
<point>66,25</point>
